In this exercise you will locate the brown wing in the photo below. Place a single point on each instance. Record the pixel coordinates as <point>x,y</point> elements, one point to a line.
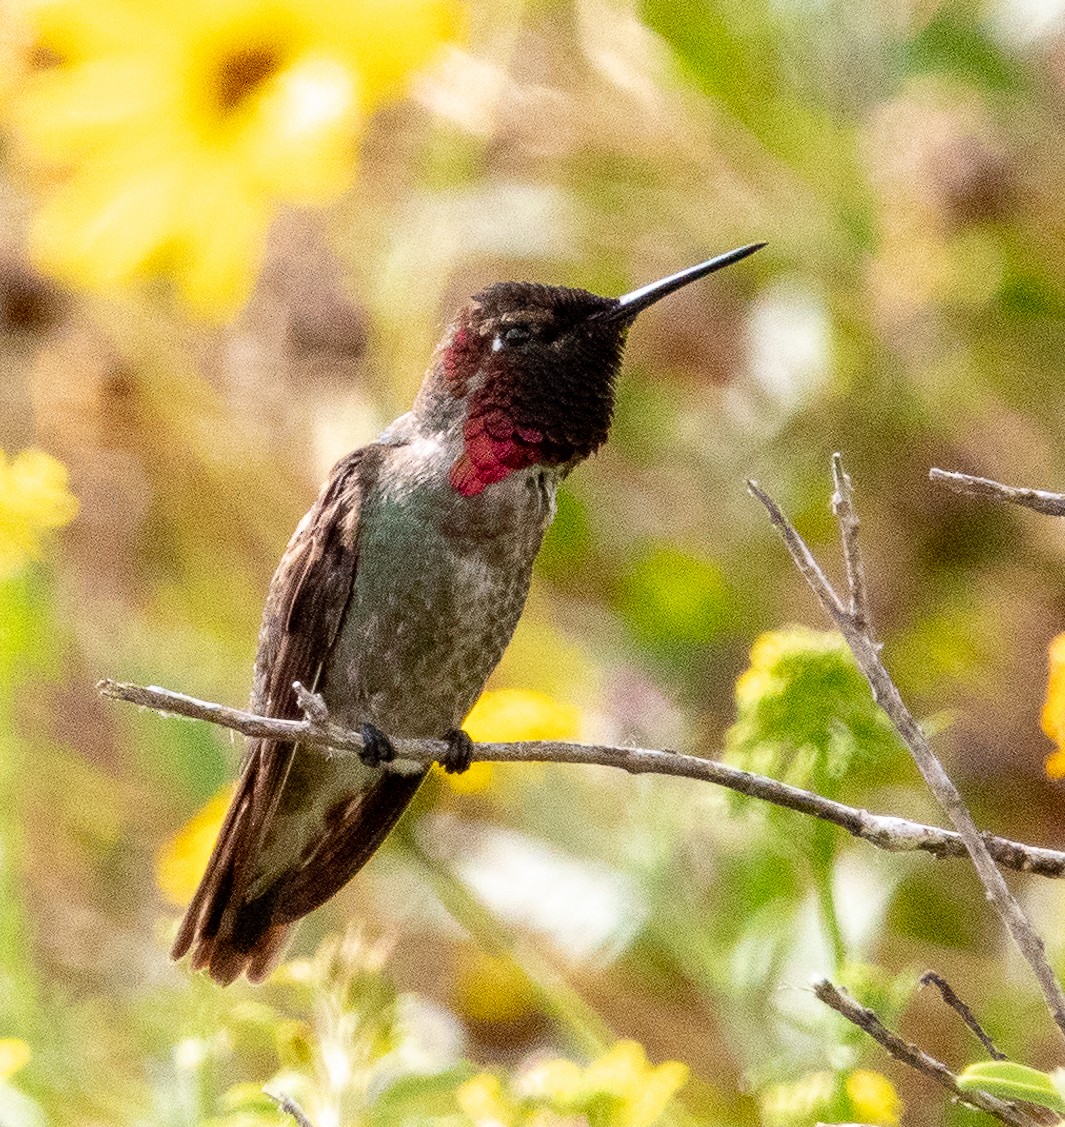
<point>226,931</point>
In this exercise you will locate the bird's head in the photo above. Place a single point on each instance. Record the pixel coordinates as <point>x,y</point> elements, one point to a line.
<point>535,367</point>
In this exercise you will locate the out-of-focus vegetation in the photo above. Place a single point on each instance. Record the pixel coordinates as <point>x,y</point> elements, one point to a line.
<point>230,235</point>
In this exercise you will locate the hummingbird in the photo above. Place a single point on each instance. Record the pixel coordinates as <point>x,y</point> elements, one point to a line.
<point>398,593</point>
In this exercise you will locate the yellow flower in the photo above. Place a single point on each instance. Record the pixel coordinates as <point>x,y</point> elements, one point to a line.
<point>802,1101</point>
<point>509,715</point>
<point>182,858</point>
<point>14,1054</point>
<point>873,1098</point>
<point>859,1095</point>
<point>643,1090</point>
<point>493,989</point>
<point>33,497</point>
<point>620,1088</point>
<point>1053,716</point>
<point>175,130</point>
<point>482,1100</point>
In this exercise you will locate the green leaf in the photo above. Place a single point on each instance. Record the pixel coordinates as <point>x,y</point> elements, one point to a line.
<point>804,714</point>
<point>1010,1081</point>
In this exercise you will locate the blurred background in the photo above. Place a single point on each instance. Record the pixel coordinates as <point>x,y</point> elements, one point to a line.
<point>230,237</point>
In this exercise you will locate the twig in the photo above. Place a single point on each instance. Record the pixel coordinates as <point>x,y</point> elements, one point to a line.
<point>895,835</point>
<point>930,978</point>
<point>866,1020</point>
<point>1042,500</point>
<point>289,1106</point>
<point>847,515</point>
<point>866,651</point>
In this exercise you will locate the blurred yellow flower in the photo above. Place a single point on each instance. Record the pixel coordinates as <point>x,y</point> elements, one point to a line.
<point>801,1101</point>
<point>510,715</point>
<point>490,988</point>
<point>873,1098</point>
<point>620,1089</point>
<point>861,1095</point>
<point>642,1089</point>
<point>14,1054</point>
<point>175,130</point>
<point>33,498</point>
<point>182,858</point>
<point>1053,716</point>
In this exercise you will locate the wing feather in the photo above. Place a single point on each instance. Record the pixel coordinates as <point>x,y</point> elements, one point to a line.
<point>227,932</point>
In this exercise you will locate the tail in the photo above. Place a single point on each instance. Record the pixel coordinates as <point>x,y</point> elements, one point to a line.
<point>290,840</point>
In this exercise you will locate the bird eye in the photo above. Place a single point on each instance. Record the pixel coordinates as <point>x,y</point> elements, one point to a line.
<point>515,334</point>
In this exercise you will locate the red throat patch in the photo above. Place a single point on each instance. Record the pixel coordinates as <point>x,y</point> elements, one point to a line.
<point>494,449</point>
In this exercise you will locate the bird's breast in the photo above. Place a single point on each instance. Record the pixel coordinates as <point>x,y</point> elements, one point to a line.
<point>440,584</point>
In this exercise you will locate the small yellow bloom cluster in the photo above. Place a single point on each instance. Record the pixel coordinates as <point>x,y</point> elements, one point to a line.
<point>509,715</point>
<point>619,1089</point>
<point>165,135</point>
<point>861,1095</point>
<point>33,498</point>
<point>804,714</point>
<point>1053,717</point>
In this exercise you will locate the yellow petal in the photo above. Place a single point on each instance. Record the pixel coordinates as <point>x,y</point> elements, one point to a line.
<point>507,715</point>
<point>103,227</point>
<point>1055,764</point>
<point>33,498</point>
<point>619,1071</point>
<point>873,1098</point>
<point>1053,715</point>
<point>481,1098</point>
<point>182,858</point>
<point>476,779</point>
<point>14,1054</point>
<point>220,238</point>
<point>651,1098</point>
<point>67,113</point>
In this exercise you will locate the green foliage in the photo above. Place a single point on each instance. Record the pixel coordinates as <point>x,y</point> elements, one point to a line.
<point>1011,1081</point>
<point>804,714</point>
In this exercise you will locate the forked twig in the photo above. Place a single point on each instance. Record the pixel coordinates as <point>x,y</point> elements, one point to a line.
<point>866,651</point>
<point>869,1022</point>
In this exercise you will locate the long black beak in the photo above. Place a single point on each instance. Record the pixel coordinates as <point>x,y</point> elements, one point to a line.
<point>635,302</point>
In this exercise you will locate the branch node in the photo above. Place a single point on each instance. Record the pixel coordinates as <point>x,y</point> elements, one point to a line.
<point>311,705</point>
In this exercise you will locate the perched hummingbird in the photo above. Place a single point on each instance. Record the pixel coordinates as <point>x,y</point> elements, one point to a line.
<point>398,593</point>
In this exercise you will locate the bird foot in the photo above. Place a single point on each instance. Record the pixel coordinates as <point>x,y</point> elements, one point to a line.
<point>377,747</point>
<point>459,754</point>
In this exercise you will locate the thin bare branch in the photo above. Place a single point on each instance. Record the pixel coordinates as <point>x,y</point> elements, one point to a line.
<point>289,1106</point>
<point>868,1021</point>
<point>867,653</point>
<point>948,994</point>
<point>802,557</point>
<point>1042,500</point>
<point>896,835</point>
<point>847,515</point>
